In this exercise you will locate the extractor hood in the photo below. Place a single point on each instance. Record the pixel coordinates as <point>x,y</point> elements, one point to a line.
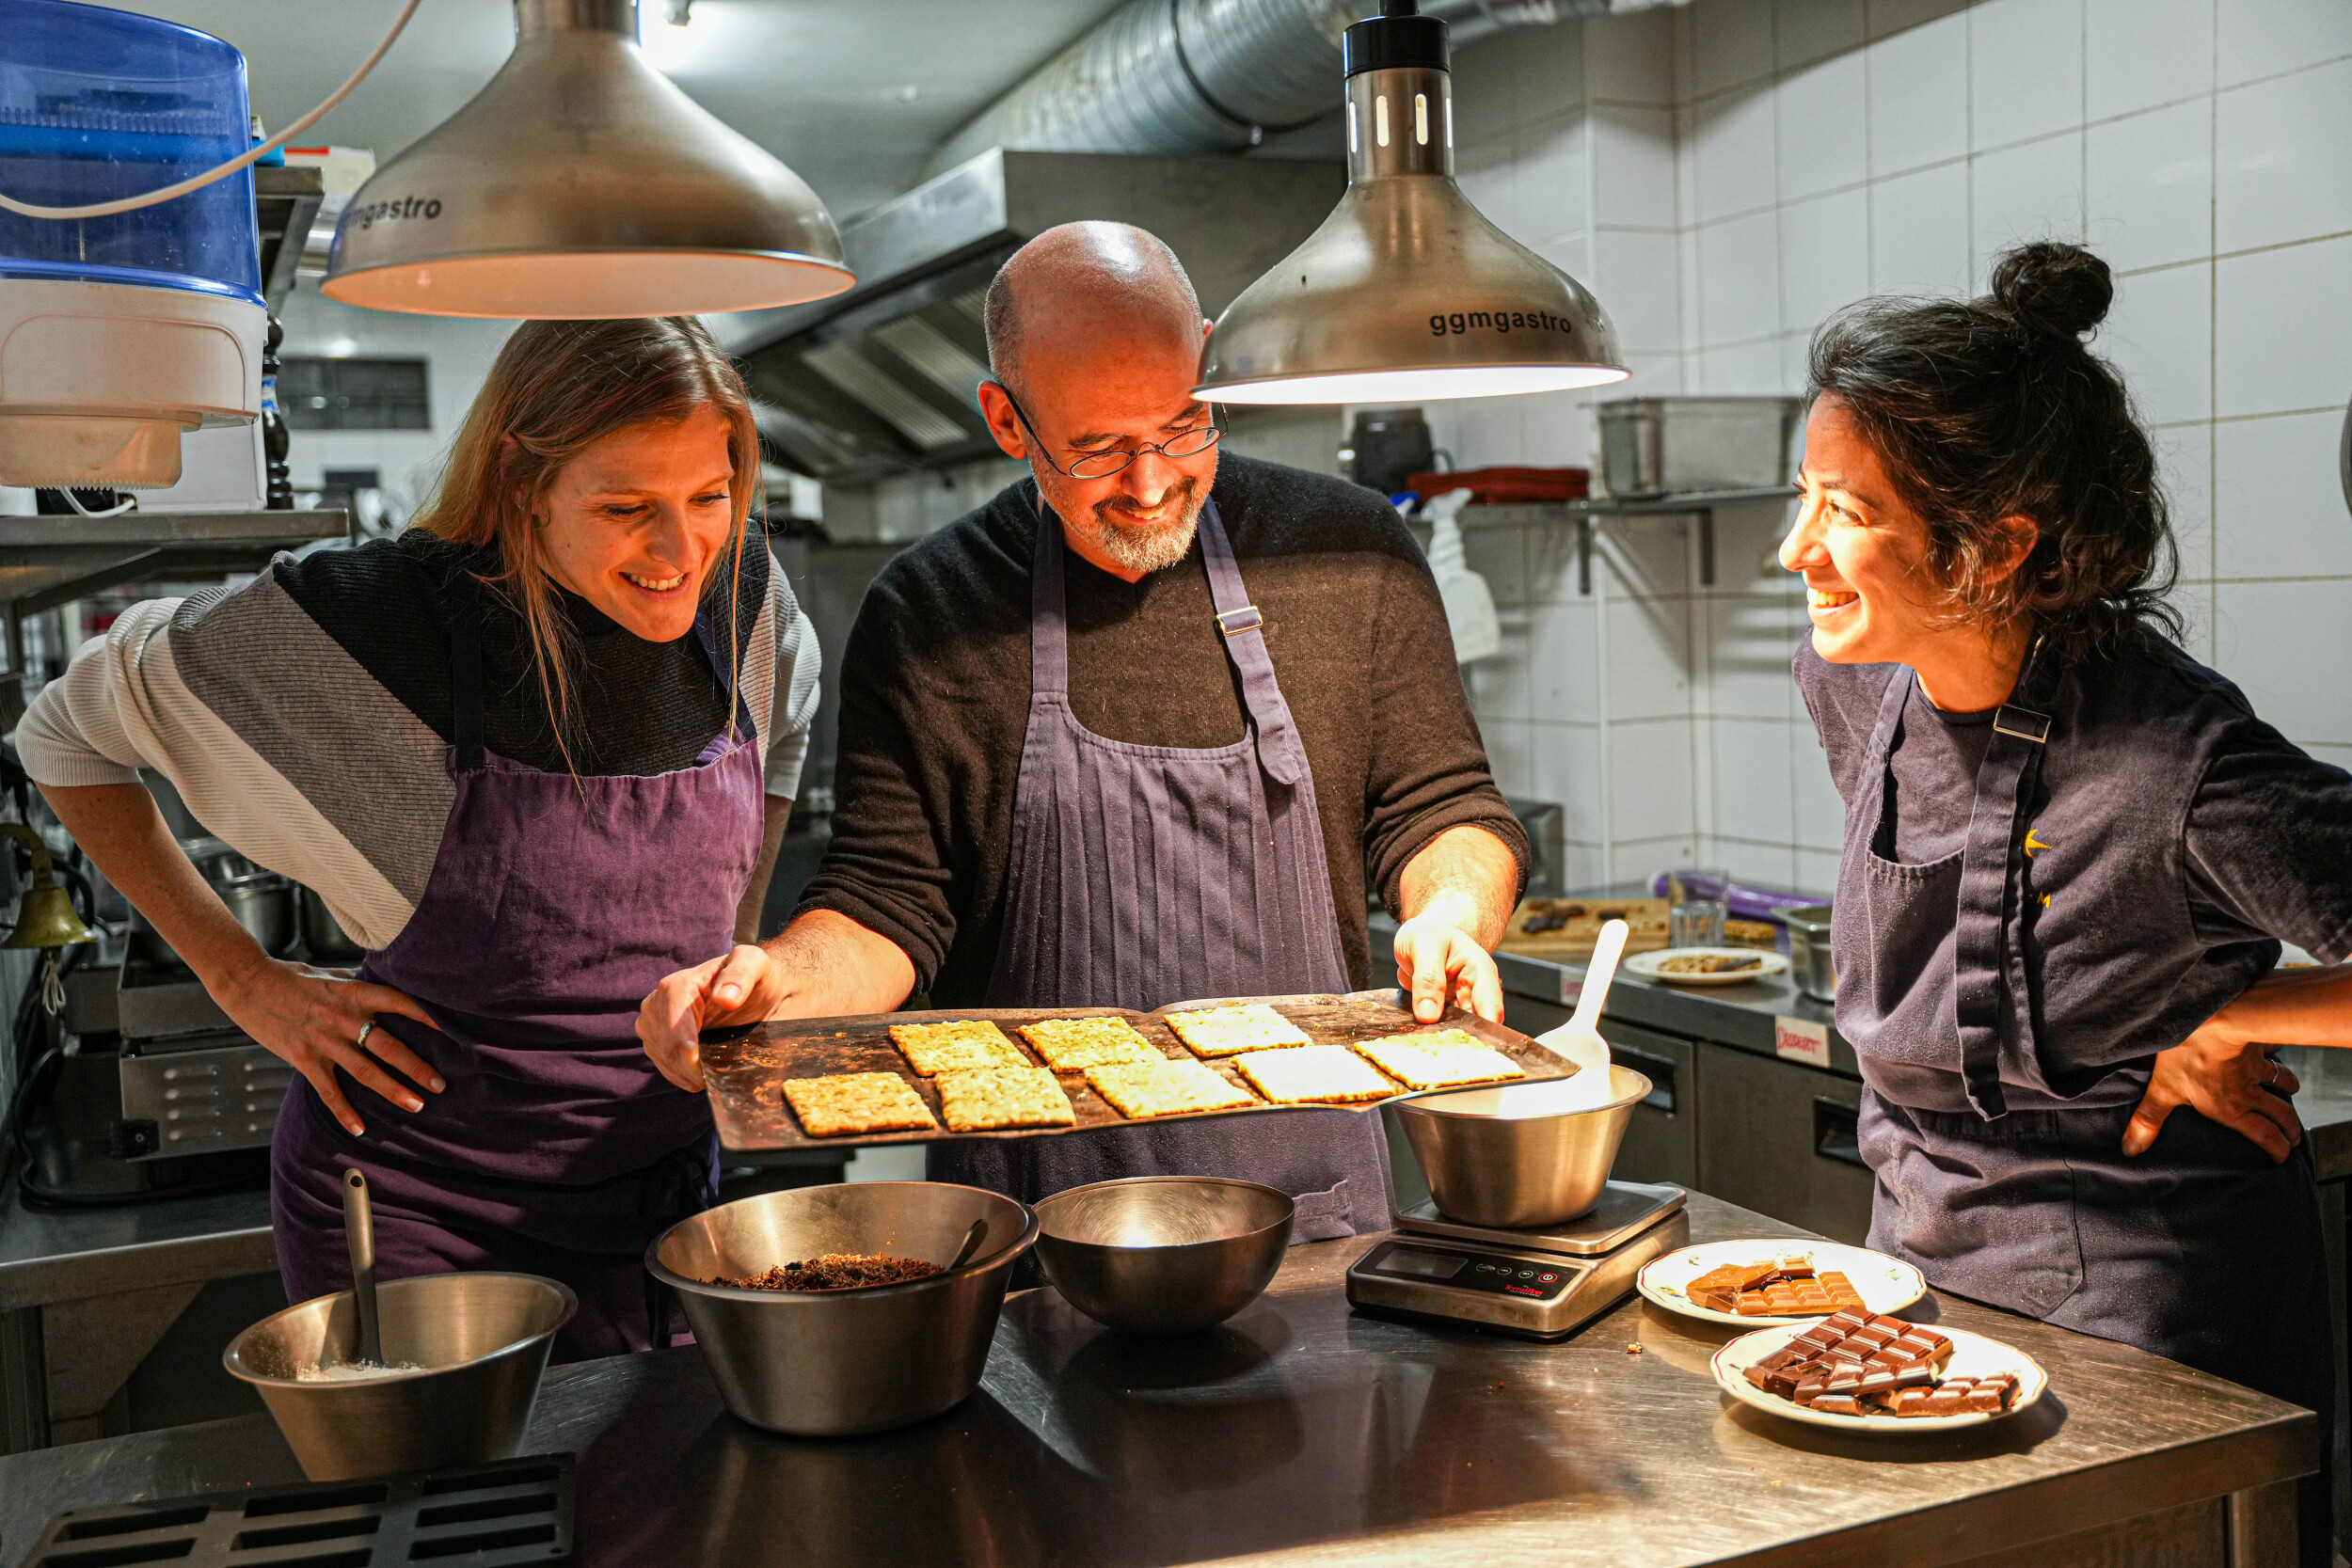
<point>878,381</point>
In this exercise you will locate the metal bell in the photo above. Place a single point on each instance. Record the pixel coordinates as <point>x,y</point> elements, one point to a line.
<point>44,915</point>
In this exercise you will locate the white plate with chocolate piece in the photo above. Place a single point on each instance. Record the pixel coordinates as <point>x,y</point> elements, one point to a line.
<point>1777,1281</point>
<point>1705,966</point>
<point>1867,1372</point>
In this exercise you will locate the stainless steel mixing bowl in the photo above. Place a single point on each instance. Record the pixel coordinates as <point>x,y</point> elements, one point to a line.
<point>1163,1254</point>
<point>1507,1156</point>
<point>481,1338</point>
<point>828,1363</point>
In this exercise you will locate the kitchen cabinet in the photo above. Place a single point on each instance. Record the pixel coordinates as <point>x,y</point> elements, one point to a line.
<point>1778,1137</point>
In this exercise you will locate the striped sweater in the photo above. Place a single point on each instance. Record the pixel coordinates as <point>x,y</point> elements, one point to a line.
<point>305,717</point>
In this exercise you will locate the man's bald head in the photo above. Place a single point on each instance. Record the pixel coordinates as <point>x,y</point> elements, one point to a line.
<point>1083,290</point>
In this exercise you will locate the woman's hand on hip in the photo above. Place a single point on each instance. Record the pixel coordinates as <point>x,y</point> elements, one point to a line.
<point>318,1019</point>
<point>1437,962</point>
<point>2224,1079</point>
<point>742,986</point>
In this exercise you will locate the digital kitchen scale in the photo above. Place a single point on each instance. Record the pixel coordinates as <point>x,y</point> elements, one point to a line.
<point>1543,1283</point>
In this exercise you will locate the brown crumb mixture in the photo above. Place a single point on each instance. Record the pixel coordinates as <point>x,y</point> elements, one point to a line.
<point>836,1271</point>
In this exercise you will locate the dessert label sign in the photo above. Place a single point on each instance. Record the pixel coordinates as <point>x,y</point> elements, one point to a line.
<point>1800,1039</point>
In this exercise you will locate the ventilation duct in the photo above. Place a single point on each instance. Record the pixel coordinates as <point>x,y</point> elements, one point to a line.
<point>1189,77</point>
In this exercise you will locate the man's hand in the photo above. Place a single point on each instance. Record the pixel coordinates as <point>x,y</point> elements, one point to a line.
<point>1455,895</point>
<point>1439,963</point>
<point>2224,1079</point>
<point>742,986</point>
<point>823,965</point>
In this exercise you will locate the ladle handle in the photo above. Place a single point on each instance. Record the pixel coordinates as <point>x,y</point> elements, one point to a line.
<point>360,1236</point>
<point>1607,949</point>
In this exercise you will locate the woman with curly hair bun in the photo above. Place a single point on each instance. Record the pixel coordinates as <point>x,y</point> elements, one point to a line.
<point>2070,851</point>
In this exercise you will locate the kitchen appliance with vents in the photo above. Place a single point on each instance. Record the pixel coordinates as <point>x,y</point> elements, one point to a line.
<point>880,381</point>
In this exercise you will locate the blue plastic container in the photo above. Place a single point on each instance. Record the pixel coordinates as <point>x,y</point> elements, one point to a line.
<point>96,104</point>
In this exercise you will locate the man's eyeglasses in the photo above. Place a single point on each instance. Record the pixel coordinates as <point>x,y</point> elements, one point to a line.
<point>1102,464</point>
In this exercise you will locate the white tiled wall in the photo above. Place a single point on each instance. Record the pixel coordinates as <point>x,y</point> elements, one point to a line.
<point>1749,166</point>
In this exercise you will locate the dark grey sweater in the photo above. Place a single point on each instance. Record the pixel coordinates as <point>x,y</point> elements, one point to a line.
<point>935,698</point>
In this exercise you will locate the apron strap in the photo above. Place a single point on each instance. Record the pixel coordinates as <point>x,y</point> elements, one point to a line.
<point>1281,752</point>
<point>1049,624</point>
<point>1988,967</point>
<point>462,603</point>
<point>706,640</point>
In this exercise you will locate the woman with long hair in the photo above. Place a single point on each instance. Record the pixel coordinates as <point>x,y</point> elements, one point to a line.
<point>534,753</point>
<point>2071,852</point>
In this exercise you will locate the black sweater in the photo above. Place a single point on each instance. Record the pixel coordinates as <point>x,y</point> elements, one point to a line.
<point>935,697</point>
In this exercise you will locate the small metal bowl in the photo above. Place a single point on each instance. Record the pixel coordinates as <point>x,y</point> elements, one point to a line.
<point>1163,1254</point>
<point>1499,1156</point>
<point>481,1340</point>
<point>830,1363</point>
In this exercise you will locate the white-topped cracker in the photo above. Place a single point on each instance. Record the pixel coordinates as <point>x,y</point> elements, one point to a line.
<point>1327,1074</point>
<point>1441,1059</point>
<point>997,1098</point>
<point>1166,1087</point>
<point>1229,1031</point>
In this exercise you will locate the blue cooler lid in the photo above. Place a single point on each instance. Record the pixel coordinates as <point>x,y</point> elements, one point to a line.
<point>98,104</point>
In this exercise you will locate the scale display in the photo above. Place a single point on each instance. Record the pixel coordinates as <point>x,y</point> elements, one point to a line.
<point>1542,1284</point>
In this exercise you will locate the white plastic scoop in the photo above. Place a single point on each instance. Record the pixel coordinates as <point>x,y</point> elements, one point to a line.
<point>1578,1040</point>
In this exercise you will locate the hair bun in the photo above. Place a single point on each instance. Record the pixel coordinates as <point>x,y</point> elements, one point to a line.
<point>2048,287</point>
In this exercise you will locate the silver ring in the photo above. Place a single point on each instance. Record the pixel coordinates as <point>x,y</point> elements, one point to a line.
<point>2272,1081</point>
<point>365,1030</point>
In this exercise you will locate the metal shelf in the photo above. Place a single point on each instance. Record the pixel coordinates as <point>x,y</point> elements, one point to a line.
<point>1698,503</point>
<point>46,562</point>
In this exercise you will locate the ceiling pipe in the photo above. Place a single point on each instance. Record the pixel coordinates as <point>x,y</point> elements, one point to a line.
<point>1193,77</point>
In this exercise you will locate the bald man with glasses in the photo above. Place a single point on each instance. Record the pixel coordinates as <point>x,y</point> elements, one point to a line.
<point>1143,729</point>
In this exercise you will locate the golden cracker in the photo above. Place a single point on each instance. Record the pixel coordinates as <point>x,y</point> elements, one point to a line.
<point>964,1045</point>
<point>1139,1090</point>
<point>1074,1044</point>
<point>1003,1097</point>
<point>1444,1059</point>
<point>1229,1031</point>
<point>849,1102</point>
<point>1327,1074</point>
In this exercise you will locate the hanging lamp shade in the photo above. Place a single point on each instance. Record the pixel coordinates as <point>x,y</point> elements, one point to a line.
<point>1407,293</point>
<point>582,183</point>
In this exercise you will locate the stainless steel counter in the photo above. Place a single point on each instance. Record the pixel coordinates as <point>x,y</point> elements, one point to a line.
<point>1302,1432</point>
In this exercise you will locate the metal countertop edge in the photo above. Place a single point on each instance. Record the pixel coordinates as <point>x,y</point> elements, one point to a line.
<point>2207,1468</point>
<point>180,1260</point>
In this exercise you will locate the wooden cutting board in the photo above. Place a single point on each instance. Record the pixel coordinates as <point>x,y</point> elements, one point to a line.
<point>745,1068</point>
<point>1644,918</point>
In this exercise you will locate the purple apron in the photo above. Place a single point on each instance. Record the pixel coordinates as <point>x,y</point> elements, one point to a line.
<point>555,906</point>
<point>1145,875</point>
<point>2199,1249</point>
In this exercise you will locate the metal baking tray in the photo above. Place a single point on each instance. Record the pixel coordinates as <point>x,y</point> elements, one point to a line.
<point>745,1067</point>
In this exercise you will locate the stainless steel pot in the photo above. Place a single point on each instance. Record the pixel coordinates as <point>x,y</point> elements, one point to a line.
<point>1810,960</point>
<point>1499,1156</point>
<point>829,1363</point>
<point>1658,446</point>
<point>324,935</point>
<point>481,1340</point>
<point>1163,1254</point>
<point>264,903</point>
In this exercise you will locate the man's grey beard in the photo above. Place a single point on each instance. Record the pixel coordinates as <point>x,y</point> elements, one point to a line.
<point>1148,550</point>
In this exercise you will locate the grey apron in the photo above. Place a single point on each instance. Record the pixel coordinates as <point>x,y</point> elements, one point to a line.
<point>1145,875</point>
<point>2199,1249</point>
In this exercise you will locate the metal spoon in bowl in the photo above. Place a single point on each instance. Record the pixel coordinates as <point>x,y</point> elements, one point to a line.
<point>360,1236</point>
<point>972,1240</point>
